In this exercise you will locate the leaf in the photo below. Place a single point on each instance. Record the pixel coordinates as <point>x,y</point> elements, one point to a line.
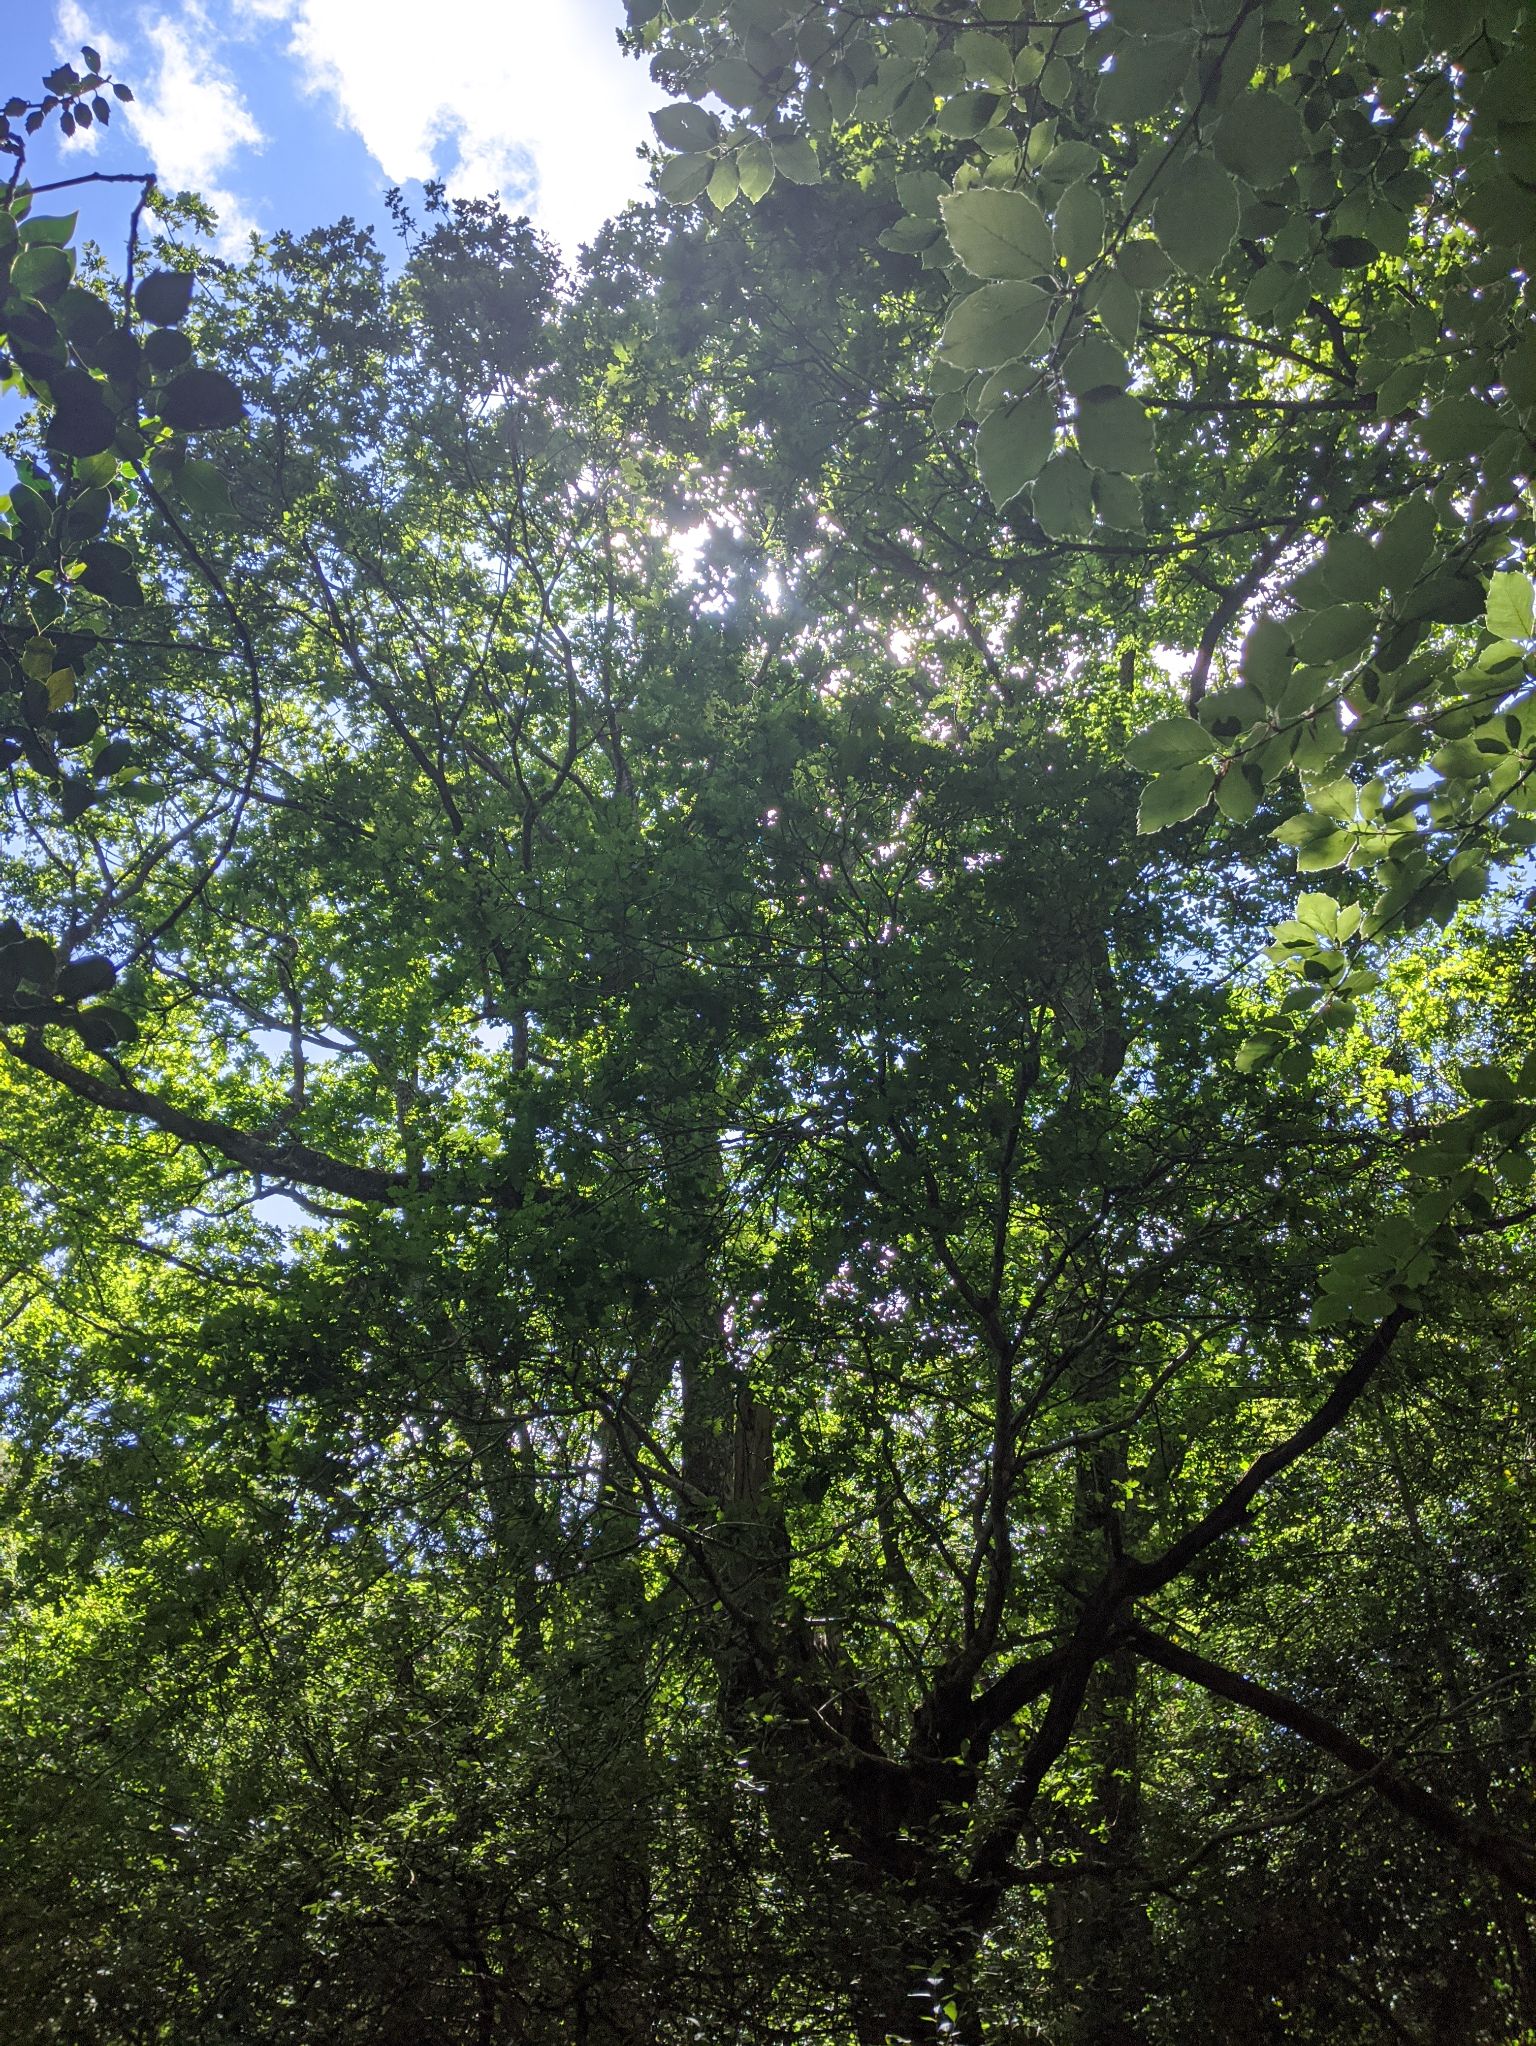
<point>200,401</point>
<point>109,572</point>
<point>1265,662</point>
<point>1079,225</point>
<point>682,179</point>
<point>1509,612</point>
<point>967,114</point>
<point>1014,444</point>
<point>102,1027</point>
<point>165,351</point>
<point>1117,501</point>
<point>89,975</point>
<point>28,963</point>
<point>1261,139</point>
<point>1118,306</point>
<point>996,233</point>
<point>41,273</point>
<point>685,126</point>
<point>984,56</point>
<point>1143,265</point>
<point>995,324</point>
<point>1170,798</point>
<point>83,423</point>
<point>734,82</point>
<point>797,161</point>
<point>202,489</point>
<point>1095,365</point>
<point>1170,742</point>
<point>53,229</point>
<point>1329,850</point>
<point>755,171</point>
<point>165,297</point>
<point>724,186</point>
<point>1196,215</point>
<point>1337,633</point>
<point>1063,499</point>
<point>1459,427</point>
<point>921,192</point>
<point>1145,81</point>
<point>1114,432</point>
<point>1488,1083</point>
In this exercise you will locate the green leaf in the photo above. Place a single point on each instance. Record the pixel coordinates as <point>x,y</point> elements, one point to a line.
<point>166,351</point>
<point>1170,742</point>
<point>53,229</point>
<point>685,126</point>
<point>1117,305</point>
<point>165,297</point>
<point>42,273</point>
<point>1114,432</point>
<point>1196,215</point>
<point>995,324</point>
<point>797,161</point>
<point>755,171</point>
<point>968,114</point>
<point>1063,499</point>
<point>102,1027</point>
<point>1117,501</point>
<point>202,489</point>
<point>734,82</point>
<point>1265,662</point>
<point>1014,444</point>
<point>1143,265</point>
<point>724,186</point>
<point>1079,225</point>
<point>201,400</point>
<point>1237,793</point>
<point>1459,427</point>
<point>83,423</point>
<point>1261,139</point>
<point>996,233</point>
<point>1329,850</point>
<point>922,192</point>
<point>1170,798</point>
<point>1509,613</point>
<point>986,57</point>
<point>1336,634</point>
<point>1488,1083</point>
<point>1145,81</point>
<point>89,975</point>
<point>682,179</point>
<point>1256,1052</point>
<point>1095,366</point>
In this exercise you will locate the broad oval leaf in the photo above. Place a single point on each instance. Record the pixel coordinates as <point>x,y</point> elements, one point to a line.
<point>1014,444</point>
<point>1196,215</point>
<point>996,233</point>
<point>995,324</point>
<point>1169,743</point>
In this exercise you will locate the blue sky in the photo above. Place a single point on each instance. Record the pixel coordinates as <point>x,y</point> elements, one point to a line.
<point>290,113</point>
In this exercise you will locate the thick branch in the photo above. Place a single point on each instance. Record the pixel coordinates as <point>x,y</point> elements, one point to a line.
<point>286,1162</point>
<point>1229,1512</point>
<point>1504,1855</point>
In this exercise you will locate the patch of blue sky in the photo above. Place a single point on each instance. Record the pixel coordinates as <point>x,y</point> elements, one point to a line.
<point>292,113</point>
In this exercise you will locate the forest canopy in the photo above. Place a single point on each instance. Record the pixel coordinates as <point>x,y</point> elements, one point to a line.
<point>768,1064</point>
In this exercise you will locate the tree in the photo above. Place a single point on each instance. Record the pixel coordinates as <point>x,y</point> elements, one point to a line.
<point>870,1371</point>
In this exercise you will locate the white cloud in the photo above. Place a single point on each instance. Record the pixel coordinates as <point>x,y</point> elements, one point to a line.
<point>528,99</point>
<point>187,110</point>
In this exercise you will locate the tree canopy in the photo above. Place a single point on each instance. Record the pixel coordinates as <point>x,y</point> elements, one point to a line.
<point>768,1066</point>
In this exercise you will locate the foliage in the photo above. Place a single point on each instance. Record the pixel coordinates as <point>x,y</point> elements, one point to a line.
<point>739,1328</point>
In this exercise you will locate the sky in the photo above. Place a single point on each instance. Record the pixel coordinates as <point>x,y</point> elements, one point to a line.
<point>291,113</point>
